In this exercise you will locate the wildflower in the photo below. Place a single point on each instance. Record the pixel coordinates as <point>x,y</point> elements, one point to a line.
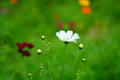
<point>24,44</point>
<point>67,36</point>
<point>86,10</point>
<point>71,25</point>
<point>84,2</point>
<point>24,53</point>
<point>21,46</point>
<point>80,46</point>
<point>59,25</point>
<point>13,1</point>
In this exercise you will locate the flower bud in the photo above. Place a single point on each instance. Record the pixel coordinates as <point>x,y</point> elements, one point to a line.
<point>29,75</point>
<point>83,59</point>
<point>39,51</point>
<point>49,43</point>
<point>80,46</point>
<point>42,37</point>
<point>41,64</point>
<point>41,67</point>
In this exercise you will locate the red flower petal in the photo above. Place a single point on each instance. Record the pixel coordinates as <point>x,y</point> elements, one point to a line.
<point>71,24</point>
<point>30,46</point>
<point>26,53</point>
<point>23,45</point>
<point>59,24</point>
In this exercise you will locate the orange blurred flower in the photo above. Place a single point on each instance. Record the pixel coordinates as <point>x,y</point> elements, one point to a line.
<point>84,2</point>
<point>86,10</point>
<point>13,1</point>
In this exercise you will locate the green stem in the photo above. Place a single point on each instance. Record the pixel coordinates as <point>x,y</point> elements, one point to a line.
<point>49,67</point>
<point>75,60</point>
<point>39,68</point>
<point>80,71</point>
<point>40,72</point>
<point>61,77</point>
<point>30,78</point>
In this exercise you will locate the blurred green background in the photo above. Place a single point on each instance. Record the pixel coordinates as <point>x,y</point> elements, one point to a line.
<point>28,20</point>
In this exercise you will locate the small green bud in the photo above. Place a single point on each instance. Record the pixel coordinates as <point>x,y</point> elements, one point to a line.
<point>39,51</point>
<point>41,67</point>
<point>80,46</point>
<point>42,37</point>
<point>83,59</point>
<point>29,75</point>
<point>41,64</point>
<point>49,43</point>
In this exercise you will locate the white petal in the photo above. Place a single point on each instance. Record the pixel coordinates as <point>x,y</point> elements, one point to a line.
<point>69,34</point>
<point>74,37</point>
<point>62,32</point>
<point>60,36</point>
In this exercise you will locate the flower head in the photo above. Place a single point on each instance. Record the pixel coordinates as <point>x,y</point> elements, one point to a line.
<point>86,10</point>
<point>13,1</point>
<point>84,2</point>
<point>68,36</point>
<point>21,46</point>
<point>60,25</point>
<point>71,25</point>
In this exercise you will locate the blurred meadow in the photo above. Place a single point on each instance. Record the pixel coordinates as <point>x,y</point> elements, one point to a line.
<point>96,21</point>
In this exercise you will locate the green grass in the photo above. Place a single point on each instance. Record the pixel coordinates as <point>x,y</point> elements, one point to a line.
<point>29,20</point>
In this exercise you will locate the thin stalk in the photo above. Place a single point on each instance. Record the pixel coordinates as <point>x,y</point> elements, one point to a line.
<point>30,78</point>
<point>39,68</point>
<point>40,72</point>
<point>75,60</point>
<point>61,77</point>
<point>80,71</point>
<point>48,63</point>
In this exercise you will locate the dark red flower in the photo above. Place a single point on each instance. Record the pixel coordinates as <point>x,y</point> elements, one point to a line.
<point>59,25</point>
<point>71,25</point>
<point>25,52</point>
<point>23,45</point>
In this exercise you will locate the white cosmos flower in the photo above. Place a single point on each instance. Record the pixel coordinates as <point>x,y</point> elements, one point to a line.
<point>68,36</point>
